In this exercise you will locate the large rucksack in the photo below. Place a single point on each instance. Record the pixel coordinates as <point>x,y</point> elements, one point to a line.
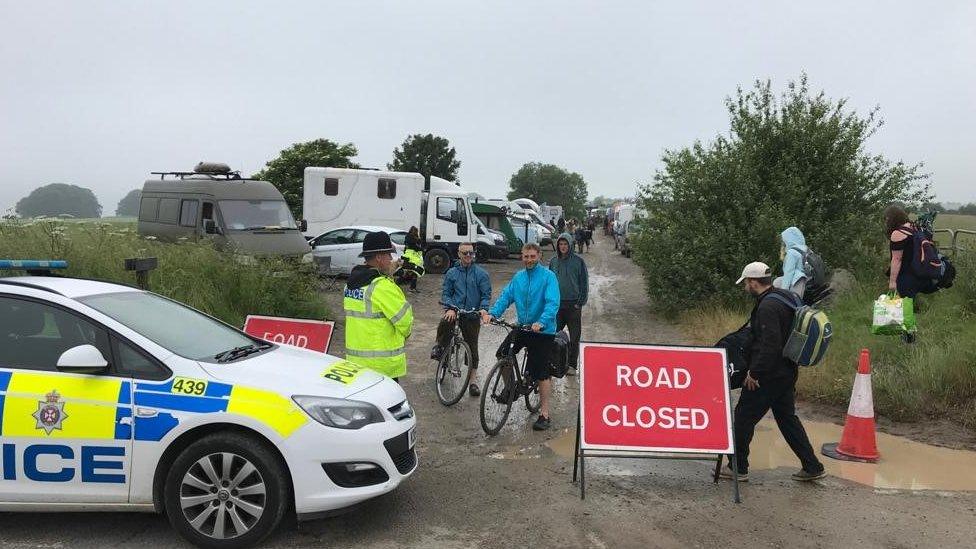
<point>927,262</point>
<point>810,333</point>
<point>813,267</point>
<point>737,347</point>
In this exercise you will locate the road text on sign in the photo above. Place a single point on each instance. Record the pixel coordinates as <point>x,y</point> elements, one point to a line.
<point>654,398</point>
<point>314,335</point>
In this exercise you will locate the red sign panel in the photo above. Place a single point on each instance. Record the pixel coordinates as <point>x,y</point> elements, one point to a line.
<point>655,399</point>
<point>314,335</point>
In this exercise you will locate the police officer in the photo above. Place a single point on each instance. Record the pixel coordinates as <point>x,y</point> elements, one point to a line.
<point>378,317</point>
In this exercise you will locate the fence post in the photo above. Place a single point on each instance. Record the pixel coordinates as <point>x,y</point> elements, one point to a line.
<point>142,266</point>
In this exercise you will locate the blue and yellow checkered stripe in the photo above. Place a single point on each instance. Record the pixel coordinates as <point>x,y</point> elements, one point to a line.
<point>94,406</point>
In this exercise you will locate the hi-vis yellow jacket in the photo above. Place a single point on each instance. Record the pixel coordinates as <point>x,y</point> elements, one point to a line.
<point>378,322</point>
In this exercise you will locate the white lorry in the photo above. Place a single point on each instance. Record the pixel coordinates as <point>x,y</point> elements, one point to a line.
<point>337,197</point>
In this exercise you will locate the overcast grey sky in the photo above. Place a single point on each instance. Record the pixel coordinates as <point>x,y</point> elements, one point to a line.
<point>99,93</point>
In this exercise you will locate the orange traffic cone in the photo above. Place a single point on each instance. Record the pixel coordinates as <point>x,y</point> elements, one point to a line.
<point>858,443</point>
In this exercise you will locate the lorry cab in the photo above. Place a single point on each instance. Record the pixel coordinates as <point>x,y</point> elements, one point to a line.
<point>237,213</point>
<point>338,197</point>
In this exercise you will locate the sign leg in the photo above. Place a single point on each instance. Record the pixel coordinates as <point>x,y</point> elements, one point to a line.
<point>735,456</point>
<point>718,468</point>
<point>576,449</point>
<point>582,474</point>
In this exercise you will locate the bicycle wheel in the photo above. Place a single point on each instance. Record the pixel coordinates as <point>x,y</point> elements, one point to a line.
<point>533,400</point>
<point>496,397</point>
<point>453,372</point>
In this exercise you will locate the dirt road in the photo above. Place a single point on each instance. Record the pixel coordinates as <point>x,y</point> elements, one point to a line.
<point>515,490</point>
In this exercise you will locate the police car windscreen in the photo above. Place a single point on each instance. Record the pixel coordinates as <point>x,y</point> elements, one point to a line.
<point>243,215</point>
<point>169,324</point>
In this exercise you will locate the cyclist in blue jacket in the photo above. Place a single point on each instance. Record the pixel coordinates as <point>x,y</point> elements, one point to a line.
<point>467,287</point>
<point>535,292</point>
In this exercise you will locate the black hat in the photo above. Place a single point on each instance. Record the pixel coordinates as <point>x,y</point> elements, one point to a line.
<point>377,243</point>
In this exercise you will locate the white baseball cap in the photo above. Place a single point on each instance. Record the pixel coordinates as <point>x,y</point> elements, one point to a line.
<point>756,269</point>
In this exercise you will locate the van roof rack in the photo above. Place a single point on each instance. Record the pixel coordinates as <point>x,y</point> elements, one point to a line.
<point>225,176</point>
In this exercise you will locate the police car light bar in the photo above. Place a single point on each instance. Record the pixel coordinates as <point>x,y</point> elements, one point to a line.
<point>33,264</point>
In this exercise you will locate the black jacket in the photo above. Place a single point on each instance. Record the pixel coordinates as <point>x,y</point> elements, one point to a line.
<point>771,322</point>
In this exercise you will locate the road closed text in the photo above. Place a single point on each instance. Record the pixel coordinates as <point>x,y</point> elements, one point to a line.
<point>649,416</point>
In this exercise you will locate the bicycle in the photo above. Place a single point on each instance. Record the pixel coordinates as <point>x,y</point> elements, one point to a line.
<point>455,363</point>
<point>506,382</point>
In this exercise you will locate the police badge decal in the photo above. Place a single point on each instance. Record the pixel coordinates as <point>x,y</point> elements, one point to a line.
<point>50,412</point>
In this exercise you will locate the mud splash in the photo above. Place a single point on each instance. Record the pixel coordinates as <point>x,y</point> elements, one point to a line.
<point>904,464</point>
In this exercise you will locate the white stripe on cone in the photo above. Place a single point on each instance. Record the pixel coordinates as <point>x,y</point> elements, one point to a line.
<point>862,403</point>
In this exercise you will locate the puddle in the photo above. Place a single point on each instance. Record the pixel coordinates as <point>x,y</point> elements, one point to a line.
<point>904,465</point>
<point>515,454</point>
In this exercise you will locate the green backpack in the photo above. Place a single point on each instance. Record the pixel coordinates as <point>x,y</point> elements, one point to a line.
<point>810,333</point>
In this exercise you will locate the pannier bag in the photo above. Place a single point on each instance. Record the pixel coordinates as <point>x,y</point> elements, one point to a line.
<point>559,355</point>
<point>810,334</point>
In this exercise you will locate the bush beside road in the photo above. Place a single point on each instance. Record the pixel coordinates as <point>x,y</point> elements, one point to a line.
<point>215,282</point>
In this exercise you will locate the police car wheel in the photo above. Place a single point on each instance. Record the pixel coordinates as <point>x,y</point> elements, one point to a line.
<point>226,490</point>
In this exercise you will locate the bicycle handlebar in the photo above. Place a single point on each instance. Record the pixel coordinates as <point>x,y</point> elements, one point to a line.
<point>509,325</point>
<point>458,309</point>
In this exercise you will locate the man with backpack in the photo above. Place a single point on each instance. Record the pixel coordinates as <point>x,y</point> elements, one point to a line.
<point>770,382</point>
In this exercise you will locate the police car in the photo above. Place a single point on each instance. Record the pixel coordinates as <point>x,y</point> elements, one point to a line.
<point>117,399</point>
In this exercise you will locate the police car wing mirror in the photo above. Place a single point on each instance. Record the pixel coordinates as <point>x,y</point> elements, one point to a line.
<point>82,359</point>
<point>303,225</point>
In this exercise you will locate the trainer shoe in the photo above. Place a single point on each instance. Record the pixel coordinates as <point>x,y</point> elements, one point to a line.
<point>541,424</point>
<point>473,390</point>
<point>806,476</point>
<point>435,352</point>
<point>726,473</point>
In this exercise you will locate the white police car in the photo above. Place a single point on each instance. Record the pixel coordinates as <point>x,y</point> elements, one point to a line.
<point>113,398</point>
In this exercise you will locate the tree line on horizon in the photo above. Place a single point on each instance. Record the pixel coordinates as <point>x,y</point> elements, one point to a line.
<point>427,154</point>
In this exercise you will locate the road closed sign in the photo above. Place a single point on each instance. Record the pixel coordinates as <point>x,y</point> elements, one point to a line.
<point>650,398</point>
<point>314,335</point>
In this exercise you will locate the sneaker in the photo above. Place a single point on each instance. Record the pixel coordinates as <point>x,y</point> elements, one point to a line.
<point>806,476</point>
<point>541,424</point>
<point>571,372</point>
<point>473,390</point>
<point>726,473</point>
<point>435,352</point>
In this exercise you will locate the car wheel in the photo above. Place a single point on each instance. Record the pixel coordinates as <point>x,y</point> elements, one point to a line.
<point>437,260</point>
<point>226,490</point>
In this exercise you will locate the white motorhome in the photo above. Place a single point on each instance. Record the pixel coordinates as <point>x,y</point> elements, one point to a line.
<point>336,197</point>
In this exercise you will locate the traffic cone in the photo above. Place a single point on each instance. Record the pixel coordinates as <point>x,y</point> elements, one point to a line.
<point>858,443</point>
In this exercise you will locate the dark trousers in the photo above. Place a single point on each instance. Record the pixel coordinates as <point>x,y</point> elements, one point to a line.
<point>571,315</point>
<point>778,395</point>
<point>470,328</point>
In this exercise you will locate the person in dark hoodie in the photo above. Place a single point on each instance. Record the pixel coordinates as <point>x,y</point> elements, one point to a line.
<point>770,382</point>
<point>378,316</point>
<point>574,281</point>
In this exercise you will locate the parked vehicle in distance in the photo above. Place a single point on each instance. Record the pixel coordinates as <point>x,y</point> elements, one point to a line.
<point>498,249</point>
<point>143,404</point>
<point>238,214</point>
<point>343,245</point>
<point>629,232</point>
<point>496,218</point>
<point>338,197</point>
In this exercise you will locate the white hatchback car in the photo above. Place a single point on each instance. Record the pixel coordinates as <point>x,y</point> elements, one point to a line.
<point>113,398</point>
<point>344,245</point>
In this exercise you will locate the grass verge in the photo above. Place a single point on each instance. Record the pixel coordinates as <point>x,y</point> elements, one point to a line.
<point>935,377</point>
<point>217,283</point>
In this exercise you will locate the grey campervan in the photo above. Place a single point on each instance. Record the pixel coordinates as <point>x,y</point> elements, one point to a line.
<point>239,214</point>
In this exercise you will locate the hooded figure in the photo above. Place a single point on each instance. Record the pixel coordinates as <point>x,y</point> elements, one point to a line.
<point>574,281</point>
<point>792,252</point>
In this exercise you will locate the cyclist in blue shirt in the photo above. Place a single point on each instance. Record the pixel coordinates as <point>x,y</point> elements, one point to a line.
<point>466,286</point>
<point>535,292</point>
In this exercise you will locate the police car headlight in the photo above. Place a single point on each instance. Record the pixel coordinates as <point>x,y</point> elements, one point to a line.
<point>339,413</point>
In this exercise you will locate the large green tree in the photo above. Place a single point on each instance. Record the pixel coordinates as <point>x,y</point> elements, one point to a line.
<point>797,160</point>
<point>428,155</point>
<point>550,184</point>
<point>129,205</point>
<point>59,199</point>
<point>287,171</point>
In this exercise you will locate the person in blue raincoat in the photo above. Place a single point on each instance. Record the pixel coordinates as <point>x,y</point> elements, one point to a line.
<point>792,252</point>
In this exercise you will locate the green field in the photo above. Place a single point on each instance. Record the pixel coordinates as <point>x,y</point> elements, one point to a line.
<point>955,221</point>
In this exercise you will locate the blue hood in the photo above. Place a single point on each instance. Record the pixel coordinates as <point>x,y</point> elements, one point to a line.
<point>796,246</point>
